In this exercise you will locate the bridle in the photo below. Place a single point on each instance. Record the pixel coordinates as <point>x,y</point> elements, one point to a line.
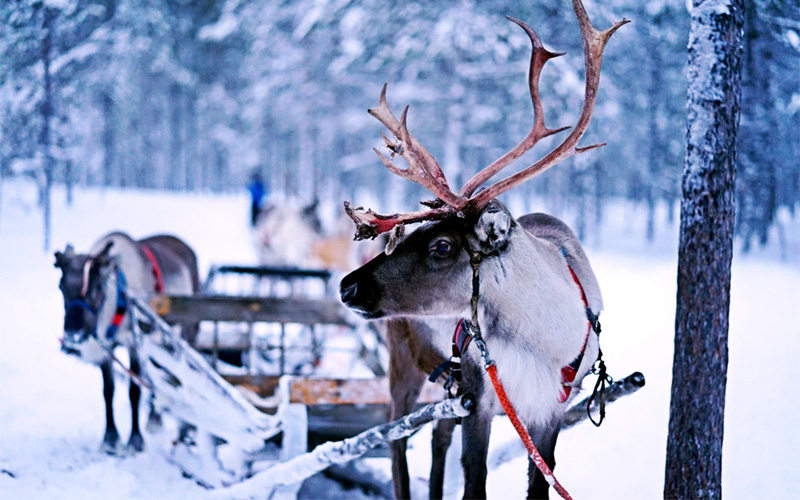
<point>81,303</point>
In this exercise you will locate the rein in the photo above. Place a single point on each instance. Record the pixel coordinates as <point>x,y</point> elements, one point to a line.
<point>491,369</point>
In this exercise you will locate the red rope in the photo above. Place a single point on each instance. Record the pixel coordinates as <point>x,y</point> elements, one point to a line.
<point>533,453</point>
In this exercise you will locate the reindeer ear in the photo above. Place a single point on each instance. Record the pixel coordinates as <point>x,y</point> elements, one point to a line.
<point>61,257</point>
<point>493,229</point>
<point>104,252</point>
<point>102,257</point>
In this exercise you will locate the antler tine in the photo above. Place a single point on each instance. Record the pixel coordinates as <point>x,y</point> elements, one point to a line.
<point>594,41</point>
<point>370,224</point>
<point>422,167</point>
<point>539,56</point>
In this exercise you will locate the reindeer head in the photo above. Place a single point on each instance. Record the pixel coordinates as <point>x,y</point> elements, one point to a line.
<point>82,285</point>
<point>428,272</point>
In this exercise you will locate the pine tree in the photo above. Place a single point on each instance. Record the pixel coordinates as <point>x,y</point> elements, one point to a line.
<point>699,373</point>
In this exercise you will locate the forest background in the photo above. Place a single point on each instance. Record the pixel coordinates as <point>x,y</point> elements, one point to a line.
<point>198,95</point>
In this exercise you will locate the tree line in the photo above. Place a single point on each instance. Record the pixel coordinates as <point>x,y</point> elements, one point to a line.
<point>180,95</point>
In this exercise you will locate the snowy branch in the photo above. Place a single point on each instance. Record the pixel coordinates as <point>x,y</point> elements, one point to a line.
<point>338,452</point>
<point>625,387</point>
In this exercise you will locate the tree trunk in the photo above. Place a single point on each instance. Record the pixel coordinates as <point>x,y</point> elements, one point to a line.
<point>175,173</point>
<point>656,150</point>
<point>192,164</point>
<point>45,140</point>
<point>697,407</point>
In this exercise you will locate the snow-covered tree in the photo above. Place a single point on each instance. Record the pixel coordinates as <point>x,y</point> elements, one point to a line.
<point>699,370</point>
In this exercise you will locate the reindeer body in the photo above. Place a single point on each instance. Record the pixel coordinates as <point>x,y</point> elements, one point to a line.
<point>534,319</point>
<point>159,263</point>
<point>530,312</point>
<point>532,272</point>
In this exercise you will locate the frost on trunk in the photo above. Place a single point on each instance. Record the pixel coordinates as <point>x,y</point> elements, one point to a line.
<point>694,446</point>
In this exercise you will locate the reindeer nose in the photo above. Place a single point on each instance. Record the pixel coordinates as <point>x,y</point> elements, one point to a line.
<point>348,291</point>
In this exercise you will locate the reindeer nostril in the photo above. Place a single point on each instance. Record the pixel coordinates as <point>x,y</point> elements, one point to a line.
<point>348,291</point>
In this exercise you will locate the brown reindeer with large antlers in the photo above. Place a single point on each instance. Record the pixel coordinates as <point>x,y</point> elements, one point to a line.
<point>537,289</point>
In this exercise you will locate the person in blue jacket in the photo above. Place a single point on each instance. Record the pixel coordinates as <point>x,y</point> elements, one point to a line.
<point>258,192</point>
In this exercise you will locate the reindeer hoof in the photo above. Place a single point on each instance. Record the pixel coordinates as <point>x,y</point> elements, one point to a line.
<point>154,423</point>
<point>135,444</point>
<point>110,445</point>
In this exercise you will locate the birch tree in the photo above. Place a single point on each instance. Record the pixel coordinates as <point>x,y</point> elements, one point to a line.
<point>699,373</point>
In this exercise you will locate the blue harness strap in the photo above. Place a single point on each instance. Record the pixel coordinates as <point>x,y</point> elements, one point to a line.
<point>122,306</point>
<point>119,312</point>
<point>81,304</point>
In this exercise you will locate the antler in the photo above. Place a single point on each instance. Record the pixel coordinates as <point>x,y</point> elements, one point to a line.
<point>594,41</point>
<point>424,170</point>
<point>422,167</point>
<point>539,56</point>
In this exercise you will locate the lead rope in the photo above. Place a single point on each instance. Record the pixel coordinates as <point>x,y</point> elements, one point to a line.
<point>491,369</point>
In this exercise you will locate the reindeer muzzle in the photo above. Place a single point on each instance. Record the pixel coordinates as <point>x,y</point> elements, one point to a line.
<point>361,296</point>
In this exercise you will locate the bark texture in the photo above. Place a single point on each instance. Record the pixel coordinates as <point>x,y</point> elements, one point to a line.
<point>697,407</point>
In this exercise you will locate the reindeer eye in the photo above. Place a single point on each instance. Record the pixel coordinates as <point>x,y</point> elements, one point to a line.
<point>442,247</point>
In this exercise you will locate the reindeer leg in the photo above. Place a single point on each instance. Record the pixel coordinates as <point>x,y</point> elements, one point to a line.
<point>545,441</point>
<point>154,422</point>
<point>136,441</point>
<point>111,437</point>
<point>475,431</point>
<point>442,436</point>
<point>405,383</point>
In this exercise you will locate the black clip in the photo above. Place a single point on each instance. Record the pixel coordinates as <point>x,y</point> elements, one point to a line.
<point>603,378</point>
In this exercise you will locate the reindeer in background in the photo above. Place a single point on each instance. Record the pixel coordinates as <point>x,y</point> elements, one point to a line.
<point>97,317</point>
<point>538,297</point>
<point>288,235</point>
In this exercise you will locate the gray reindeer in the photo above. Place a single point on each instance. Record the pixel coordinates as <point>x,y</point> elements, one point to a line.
<point>526,282</point>
<point>97,317</point>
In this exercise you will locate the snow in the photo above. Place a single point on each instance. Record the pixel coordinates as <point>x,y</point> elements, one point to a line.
<point>51,408</point>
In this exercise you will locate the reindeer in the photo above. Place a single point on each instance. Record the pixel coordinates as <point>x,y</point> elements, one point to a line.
<point>97,318</point>
<point>525,283</point>
<point>288,235</point>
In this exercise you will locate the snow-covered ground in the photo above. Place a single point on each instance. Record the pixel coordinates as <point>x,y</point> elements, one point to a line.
<point>51,408</point>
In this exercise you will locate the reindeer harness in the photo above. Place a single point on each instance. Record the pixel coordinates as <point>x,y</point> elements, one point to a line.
<point>119,311</point>
<point>122,298</point>
<point>462,336</point>
<point>469,330</point>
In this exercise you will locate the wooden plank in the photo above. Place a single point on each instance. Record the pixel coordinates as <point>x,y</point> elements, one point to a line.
<point>282,272</point>
<point>263,385</point>
<point>373,391</point>
<point>332,392</point>
<point>176,308</point>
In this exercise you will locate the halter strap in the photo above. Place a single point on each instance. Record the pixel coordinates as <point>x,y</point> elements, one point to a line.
<point>569,371</point>
<point>464,331</point>
<point>87,267</point>
<point>81,304</point>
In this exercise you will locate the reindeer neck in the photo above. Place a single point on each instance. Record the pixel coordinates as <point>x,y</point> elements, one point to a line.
<point>529,302</point>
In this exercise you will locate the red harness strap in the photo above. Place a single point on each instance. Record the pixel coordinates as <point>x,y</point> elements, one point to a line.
<point>156,269</point>
<point>569,371</point>
<point>533,453</point>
